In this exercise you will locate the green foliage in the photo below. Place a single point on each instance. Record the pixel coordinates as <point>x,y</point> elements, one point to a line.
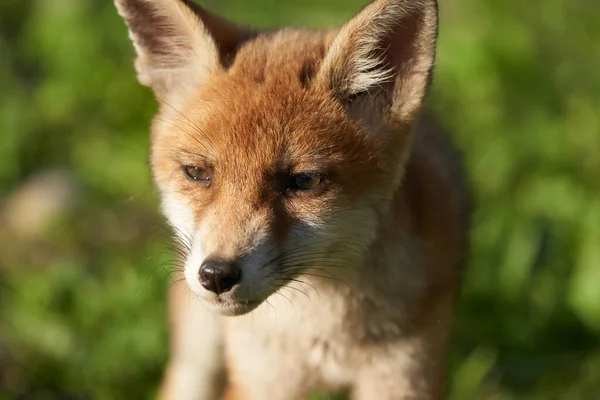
<point>82,308</point>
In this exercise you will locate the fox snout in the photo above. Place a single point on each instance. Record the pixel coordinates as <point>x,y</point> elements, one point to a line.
<point>231,286</point>
<point>219,276</point>
<point>228,263</point>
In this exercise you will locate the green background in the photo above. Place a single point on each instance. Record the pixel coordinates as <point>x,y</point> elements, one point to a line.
<point>82,307</point>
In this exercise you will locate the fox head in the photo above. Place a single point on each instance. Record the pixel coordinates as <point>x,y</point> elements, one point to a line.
<point>278,153</point>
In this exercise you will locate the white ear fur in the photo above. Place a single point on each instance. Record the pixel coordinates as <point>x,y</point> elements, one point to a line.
<point>178,44</point>
<point>388,49</point>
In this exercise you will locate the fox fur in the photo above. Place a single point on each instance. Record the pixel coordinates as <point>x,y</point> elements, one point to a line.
<point>348,285</point>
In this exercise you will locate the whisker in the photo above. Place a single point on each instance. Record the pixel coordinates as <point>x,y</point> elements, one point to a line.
<point>303,270</point>
<point>300,250</point>
<point>332,278</point>
<point>177,281</point>
<point>285,297</point>
<point>192,125</point>
<point>270,305</point>
<point>304,283</point>
<point>291,287</point>
<point>320,263</point>
<point>185,132</point>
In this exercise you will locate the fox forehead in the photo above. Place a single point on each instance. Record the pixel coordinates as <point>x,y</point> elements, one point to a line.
<point>261,113</point>
<point>289,54</point>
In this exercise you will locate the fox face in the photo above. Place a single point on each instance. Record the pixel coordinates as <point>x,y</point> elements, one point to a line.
<point>268,177</point>
<point>277,154</point>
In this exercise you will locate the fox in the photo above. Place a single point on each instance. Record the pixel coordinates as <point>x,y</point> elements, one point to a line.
<point>321,211</point>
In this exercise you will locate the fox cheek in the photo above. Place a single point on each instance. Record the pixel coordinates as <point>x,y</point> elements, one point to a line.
<point>181,218</point>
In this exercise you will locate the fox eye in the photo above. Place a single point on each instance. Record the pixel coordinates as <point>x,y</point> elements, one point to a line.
<point>307,181</point>
<point>197,174</point>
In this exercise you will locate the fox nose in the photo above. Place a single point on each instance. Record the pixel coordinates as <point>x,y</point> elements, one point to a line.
<point>219,276</point>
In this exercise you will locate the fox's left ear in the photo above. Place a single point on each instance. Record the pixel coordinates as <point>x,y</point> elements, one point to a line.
<point>380,62</point>
<point>178,43</point>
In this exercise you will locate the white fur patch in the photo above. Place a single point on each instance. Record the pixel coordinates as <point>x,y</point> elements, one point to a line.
<point>180,216</point>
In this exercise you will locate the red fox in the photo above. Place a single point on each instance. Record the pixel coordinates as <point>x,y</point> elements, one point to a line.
<point>323,216</point>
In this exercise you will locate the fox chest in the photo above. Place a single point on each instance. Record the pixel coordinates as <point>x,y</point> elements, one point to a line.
<point>279,351</point>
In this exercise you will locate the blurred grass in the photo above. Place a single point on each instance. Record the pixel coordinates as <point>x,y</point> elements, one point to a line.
<point>82,308</point>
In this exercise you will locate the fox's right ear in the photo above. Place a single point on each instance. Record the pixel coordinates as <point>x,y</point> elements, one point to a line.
<point>178,43</point>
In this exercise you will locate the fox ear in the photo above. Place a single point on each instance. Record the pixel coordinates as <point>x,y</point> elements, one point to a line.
<point>380,61</point>
<point>178,44</point>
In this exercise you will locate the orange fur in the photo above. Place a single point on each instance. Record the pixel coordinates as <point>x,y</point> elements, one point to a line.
<point>388,216</point>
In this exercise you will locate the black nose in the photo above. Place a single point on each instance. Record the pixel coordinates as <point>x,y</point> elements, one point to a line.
<point>219,276</point>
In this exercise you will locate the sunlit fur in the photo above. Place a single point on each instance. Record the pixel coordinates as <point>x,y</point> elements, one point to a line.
<point>347,286</point>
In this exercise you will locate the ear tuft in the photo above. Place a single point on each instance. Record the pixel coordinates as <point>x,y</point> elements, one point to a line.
<point>385,51</point>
